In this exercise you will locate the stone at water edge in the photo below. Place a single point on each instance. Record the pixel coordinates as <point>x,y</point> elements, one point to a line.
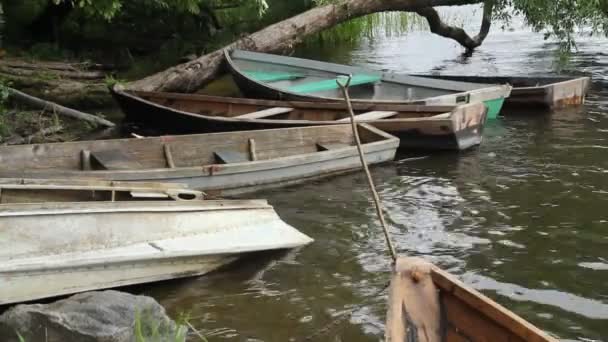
<point>107,316</point>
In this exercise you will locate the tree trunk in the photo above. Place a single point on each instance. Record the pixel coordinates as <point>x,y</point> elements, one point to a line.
<point>55,108</point>
<point>283,36</point>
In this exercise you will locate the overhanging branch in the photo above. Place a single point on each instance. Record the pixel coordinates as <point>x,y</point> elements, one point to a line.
<point>437,26</point>
<point>287,33</point>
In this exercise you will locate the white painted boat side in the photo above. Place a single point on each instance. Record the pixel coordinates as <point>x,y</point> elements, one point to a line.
<point>71,245</point>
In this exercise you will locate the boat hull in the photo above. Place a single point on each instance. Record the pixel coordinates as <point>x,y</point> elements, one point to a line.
<point>540,93</point>
<point>440,92</point>
<point>74,247</point>
<point>179,116</point>
<point>26,286</point>
<point>212,177</point>
<point>429,304</point>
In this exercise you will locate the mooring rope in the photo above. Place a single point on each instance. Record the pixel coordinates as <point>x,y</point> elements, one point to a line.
<point>370,181</point>
<point>335,322</point>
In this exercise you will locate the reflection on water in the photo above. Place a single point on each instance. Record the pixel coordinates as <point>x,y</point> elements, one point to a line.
<point>523,218</point>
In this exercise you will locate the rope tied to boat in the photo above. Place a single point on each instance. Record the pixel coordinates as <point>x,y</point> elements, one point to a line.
<point>370,181</point>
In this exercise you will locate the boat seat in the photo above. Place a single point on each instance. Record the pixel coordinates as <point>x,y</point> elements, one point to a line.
<point>265,113</point>
<point>330,146</point>
<point>113,160</point>
<point>375,115</point>
<point>311,87</point>
<point>230,156</point>
<point>273,76</point>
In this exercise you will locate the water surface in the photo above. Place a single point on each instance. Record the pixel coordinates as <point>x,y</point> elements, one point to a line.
<point>524,218</point>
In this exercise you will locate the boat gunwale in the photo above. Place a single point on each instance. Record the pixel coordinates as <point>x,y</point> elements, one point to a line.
<point>67,187</point>
<point>61,208</point>
<point>92,182</point>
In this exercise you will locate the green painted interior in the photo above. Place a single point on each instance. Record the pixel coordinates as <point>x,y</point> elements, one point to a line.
<point>272,76</point>
<point>330,84</point>
<point>494,107</point>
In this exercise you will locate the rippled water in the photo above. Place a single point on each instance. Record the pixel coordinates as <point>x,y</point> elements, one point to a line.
<point>524,218</point>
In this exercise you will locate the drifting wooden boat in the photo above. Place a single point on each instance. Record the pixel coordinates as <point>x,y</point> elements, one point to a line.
<point>417,126</point>
<point>427,304</point>
<point>533,92</point>
<point>219,163</point>
<point>288,78</point>
<point>57,248</point>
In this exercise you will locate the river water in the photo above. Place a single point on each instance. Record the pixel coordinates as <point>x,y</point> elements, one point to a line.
<point>524,218</point>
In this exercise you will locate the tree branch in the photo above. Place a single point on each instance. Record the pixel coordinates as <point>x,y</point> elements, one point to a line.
<point>281,36</point>
<point>439,27</point>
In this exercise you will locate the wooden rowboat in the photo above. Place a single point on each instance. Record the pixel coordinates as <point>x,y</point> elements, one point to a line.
<point>417,126</point>
<point>550,93</point>
<point>427,304</point>
<point>218,163</point>
<point>276,77</point>
<point>56,248</point>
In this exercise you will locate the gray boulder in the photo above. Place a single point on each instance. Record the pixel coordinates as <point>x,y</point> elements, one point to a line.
<point>108,316</point>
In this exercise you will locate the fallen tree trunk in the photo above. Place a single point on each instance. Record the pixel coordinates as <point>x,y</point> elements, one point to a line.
<point>71,93</point>
<point>55,108</point>
<point>79,84</point>
<point>59,66</point>
<point>283,36</point>
<point>56,74</point>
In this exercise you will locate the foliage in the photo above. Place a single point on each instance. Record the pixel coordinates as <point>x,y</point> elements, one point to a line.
<point>562,19</point>
<point>108,9</point>
<point>149,330</point>
<point>4,98</point>
<point>111,81</point>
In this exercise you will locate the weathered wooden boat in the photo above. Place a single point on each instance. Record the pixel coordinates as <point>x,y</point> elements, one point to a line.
<point>218,163</point>
<point>427,304</point>
<point>553,92</point>
<point>276,77</point>
<point>57,248</point>
<point>417,126</point>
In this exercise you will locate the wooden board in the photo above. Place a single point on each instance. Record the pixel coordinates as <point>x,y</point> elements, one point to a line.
<point>374,115</point>
<point>265,113</point>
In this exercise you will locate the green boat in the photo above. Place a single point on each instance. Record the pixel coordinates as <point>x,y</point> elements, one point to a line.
<point>275,77</point>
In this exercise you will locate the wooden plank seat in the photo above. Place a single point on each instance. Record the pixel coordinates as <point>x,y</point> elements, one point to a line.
<point>230,156</point>
<point>330,146</point>
<point>273,76</point>
<point>113,160</point>
<point>311,87</point>
<point>368,116</point>
<point>265,113</point>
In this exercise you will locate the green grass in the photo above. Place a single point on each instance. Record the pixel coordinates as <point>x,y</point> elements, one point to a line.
<point>148,329</point>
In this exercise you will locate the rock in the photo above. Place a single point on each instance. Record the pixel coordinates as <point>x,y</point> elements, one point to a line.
<point>108,316</point>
